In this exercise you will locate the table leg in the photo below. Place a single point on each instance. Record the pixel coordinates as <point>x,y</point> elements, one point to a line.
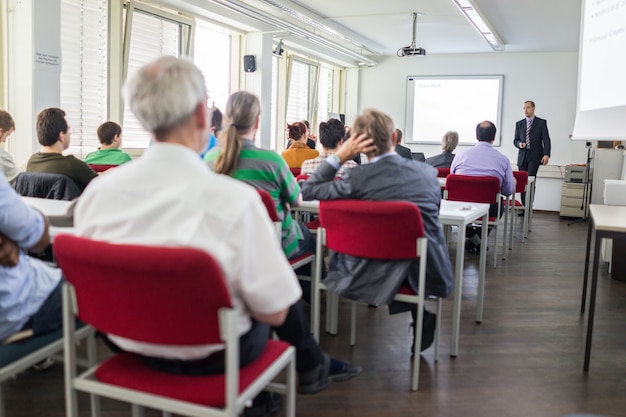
<point>592,300</point>
<point>481,271</point>
<point>587,254</point>
<point>458,290</point>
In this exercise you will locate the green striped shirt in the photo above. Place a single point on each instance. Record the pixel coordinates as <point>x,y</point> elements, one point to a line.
<point>266,170</point>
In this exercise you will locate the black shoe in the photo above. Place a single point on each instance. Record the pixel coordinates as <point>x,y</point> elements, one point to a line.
<point>265,404</point>
<point>520,214</point>
<point>429,325</point>
<point>316,379</point>
<point>346,372</point>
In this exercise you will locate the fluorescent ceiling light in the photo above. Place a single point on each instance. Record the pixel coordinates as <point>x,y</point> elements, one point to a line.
<point>477,18</point>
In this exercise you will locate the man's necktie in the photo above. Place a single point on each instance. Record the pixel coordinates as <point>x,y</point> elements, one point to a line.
<point>529,124</point>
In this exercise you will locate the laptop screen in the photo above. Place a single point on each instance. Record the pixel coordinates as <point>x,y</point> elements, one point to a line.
<point>418,156</point>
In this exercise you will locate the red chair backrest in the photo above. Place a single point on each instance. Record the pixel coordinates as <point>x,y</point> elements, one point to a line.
<point>372,229</point>
<point>101,167</point>
<point>161,295</point>
<point>268,202</point>
<point>443,172</point>
<point>302,177</point>
<point>473,189</point>
<point>295,171</point>
<point>521,178</point>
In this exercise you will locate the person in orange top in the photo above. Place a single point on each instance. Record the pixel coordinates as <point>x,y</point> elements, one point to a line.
<point>298,151</point>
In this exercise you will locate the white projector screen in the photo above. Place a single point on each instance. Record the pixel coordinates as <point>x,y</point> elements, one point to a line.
<point>435,105</point>
<point>601,110</point>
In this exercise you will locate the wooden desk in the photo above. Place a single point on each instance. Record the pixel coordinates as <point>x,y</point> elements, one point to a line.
<point>461,214</point>
<point>605,222</point>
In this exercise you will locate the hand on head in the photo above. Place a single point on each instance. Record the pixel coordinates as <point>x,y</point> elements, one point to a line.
<point>356,145</point>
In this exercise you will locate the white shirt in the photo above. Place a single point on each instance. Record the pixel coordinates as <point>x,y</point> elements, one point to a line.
<point>169,197</point>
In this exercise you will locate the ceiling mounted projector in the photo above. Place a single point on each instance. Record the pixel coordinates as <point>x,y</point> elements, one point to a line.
<point>412,50</point>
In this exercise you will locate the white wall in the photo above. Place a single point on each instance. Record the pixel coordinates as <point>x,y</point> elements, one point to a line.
<point>549,79</point>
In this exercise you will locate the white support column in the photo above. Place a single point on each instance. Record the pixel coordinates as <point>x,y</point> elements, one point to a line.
<point>352,102</point>
<point>260,81</point>
<point>35,70</point>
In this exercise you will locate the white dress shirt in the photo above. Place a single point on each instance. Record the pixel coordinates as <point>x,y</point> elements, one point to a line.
<point>169,197</point>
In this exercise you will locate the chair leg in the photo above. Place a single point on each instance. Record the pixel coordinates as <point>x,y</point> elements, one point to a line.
<point>437,329</point>
<point>415,373</point>
<point>290,403</point>
<point>315,297</point>
<point>137,410</point>
<point>2,409</point>
<point>495,250</point>
<point>353,324</point>
<point>92,358</point>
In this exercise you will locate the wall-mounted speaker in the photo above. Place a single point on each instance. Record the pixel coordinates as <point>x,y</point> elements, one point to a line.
<point>249,63</point>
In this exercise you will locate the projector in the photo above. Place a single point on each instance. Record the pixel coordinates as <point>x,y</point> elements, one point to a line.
<point>411,50</point>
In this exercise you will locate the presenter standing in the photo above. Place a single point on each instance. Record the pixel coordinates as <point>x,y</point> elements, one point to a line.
<point>533,141</point>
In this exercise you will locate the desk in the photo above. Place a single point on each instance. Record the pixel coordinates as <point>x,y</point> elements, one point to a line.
<point>605,222</point>
<point>51,208</point>
<point>456,213</point>
<point>452,213</point>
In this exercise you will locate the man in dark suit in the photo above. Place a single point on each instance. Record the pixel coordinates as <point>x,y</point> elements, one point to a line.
<point>403,151</point>
<point>533,140</point>
<point>387,177</point>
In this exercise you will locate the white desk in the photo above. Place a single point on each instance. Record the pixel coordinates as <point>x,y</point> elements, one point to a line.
<point>461,214</point>
<point>51,208</point>
<point>605,222</point>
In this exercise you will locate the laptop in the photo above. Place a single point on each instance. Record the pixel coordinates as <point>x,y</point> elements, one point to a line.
<point>418,156</point>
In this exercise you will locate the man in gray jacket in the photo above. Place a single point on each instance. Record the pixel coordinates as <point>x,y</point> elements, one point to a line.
<point>387,177</point>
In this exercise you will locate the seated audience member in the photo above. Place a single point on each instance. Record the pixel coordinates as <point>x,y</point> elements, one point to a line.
<point>403,151</point>
<point>298,151</point>
<point>331,137</point>
<point>109,152</point>
<point>53,134</point>
<point>169,197</point>
<point>216,126</point>
<point>30,290</point>
<point>239,158</point>
<point>311,140</point>
<point>7,164</point>
<point>448,144</point>
<point>484,160</point>
<point>387,177</point>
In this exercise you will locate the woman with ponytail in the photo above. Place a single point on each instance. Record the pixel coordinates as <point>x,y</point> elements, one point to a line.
<point>239,158</point>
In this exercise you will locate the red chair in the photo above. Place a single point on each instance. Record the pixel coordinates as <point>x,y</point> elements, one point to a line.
<point>161,295</point>
<point>477,189</point>
<point>295,171</point>
<point>102,167</point>
<point>443,172</point>
<point>380,230</point>
<point>302,177</point>
<point>521,186</point>
<point>307,258</point>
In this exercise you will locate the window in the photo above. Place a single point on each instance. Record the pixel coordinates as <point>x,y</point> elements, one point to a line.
<point>299,98</point>
<point>324,95</point>
<point>212,49</point>
<point>149,34</point>
<point>84,87</point>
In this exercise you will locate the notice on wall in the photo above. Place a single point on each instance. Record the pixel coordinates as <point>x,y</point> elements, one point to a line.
<point>48,61</point>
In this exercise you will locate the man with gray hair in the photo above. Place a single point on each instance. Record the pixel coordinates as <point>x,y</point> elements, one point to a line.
<point>448,145</point>
<point>169,197</point>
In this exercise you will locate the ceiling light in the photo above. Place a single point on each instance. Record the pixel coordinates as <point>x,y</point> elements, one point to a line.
<point>477,18</point>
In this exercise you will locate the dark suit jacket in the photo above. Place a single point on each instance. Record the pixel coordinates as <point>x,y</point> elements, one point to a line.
<point>403,151</point>
<point>443,160</point>
<point>392,178</point>
<point>539,143</point>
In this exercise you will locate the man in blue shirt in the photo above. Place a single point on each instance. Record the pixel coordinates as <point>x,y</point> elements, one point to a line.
<point>30,290</point>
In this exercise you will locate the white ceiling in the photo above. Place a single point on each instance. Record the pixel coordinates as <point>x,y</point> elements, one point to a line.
<point>387,25</point>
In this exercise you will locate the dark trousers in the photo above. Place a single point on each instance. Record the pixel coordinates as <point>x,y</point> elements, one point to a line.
<point>295,331</point>
<point>49,316</point>
<point>531,167</point>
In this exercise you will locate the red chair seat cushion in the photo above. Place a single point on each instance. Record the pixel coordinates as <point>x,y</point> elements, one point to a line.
<point>129,371</point>
<point>406,289</point>
<point>313,225</point>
